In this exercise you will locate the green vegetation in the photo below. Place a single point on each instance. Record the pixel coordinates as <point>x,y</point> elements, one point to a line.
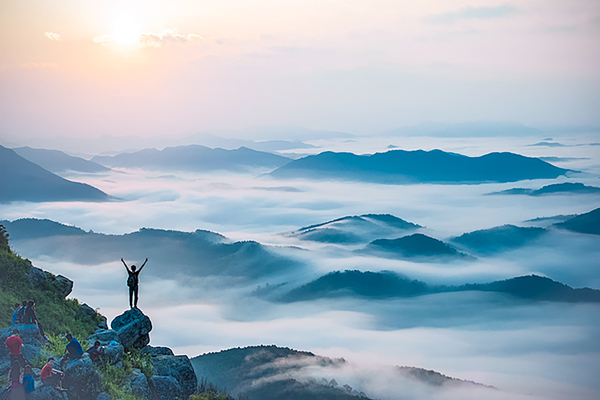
<point>208,391</point>
<point>56,314</point>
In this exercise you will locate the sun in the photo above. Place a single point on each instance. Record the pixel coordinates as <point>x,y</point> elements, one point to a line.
<point>126,29</point>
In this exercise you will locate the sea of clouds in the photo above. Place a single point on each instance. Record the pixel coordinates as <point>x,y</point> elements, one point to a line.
<point>529,350</point>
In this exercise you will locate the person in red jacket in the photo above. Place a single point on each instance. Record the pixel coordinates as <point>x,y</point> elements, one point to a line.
<point>51,376</point>
<point>14,344</point>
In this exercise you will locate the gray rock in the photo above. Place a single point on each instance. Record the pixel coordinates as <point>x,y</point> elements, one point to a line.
<point>166,387</point>
<point>32,343</point>
<point>104,336</point>
<point>87,310</point>
<point>37,277</point>
<point>103,396</point>
<point>42,392</point>
<point>82,380</point>
<point>133,328</point>
<point>63,284</point>
<point>180,368</point>
<point>139,385</point>
<point>31,352</point>
<point>103,323</point>
<point>113,353</point>
<point>157,351</point>
<point>40,278</point>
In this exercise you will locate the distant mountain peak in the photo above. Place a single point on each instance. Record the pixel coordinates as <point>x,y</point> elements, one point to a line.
<point>435,166</point>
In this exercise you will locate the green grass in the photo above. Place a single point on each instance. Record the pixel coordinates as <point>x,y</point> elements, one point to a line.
<point>56,314</point>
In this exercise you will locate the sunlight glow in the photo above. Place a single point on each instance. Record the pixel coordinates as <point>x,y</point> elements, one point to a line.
<point>126,30</point>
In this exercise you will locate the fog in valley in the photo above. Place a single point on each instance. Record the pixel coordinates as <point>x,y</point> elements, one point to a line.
<point>202,301</point>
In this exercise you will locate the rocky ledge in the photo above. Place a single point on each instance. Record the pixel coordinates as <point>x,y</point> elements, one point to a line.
<point>173,375</point>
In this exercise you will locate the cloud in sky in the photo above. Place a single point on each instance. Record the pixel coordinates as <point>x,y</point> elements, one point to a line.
<point>53,36</point>
<point>167,36</point>
<point>470,12</point>
<point>153,39</point>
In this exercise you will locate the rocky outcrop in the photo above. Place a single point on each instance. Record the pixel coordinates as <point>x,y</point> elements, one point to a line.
<point>42,392</point>
<point>39,278</point>
<point>87,310</point>
<point>133,328</point>
<point>32,341</point>
<point>63,284</point>
<point>139,385</point>
<point>109,339</point>
<point>180,368</point>
<point>82,380</point>
<point>165,387</point>
<point>157,351</point>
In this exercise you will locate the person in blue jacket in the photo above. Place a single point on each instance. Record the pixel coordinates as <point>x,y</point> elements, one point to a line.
<point>73,350</point>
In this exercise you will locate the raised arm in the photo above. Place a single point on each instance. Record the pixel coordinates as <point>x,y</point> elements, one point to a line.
<point>126,267</point>
<point>140,270</point>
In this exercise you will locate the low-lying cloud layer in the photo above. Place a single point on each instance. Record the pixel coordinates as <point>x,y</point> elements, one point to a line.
<point>529,350</point>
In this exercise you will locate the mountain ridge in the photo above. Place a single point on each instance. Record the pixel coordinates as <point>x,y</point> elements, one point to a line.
<point>23,180</point>
<point>435,166</point>
<point>194,158</point>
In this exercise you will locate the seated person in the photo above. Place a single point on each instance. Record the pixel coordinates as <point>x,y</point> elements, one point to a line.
<point>28,379</point>
<point>51,376</point>
<point>73,350</point>
<point>96,352</point>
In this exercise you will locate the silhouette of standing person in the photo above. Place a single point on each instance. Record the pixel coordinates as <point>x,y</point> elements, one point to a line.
<point>133,281</point>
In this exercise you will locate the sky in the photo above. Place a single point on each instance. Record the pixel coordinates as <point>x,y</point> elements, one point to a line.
<point>148,68</point>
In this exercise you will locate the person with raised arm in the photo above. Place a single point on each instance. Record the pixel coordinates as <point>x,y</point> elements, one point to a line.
<point>133,282</point>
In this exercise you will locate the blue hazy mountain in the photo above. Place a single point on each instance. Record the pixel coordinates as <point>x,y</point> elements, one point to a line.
<point>354,229</point>
<point>22,180</point>
<point>386,284</point>
<point>199,253</point>
<point>399,166</point>
<point>546,143</point>
<point>556,188</point>
<point>270,372</point>
<point>56,161</point>
<point>498,238</point>
<point>210,140</point>
<point>416,246</point>
<point>195,158</point>
<point>584,223</point>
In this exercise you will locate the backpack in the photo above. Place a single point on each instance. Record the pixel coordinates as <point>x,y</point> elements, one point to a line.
<point>132,281</point>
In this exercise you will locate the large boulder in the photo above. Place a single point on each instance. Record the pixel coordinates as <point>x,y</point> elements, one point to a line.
<point>32,343</point>
<point>109,338</point>
<point>87,310</point>
<point>63,284</point>
<point>180,368</point>
<point>157,351</point>
<point>42,392</point>
<point>82,380</point>
<point>165,387</point>
<point>133,328</point>
<point>139,385</point>
<point>40,278</point>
